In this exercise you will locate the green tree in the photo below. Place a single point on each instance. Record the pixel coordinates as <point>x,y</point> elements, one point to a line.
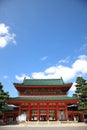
<point>81,93</point>
<point>3,97</point>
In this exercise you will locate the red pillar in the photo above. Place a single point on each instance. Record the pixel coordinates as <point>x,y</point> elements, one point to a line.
<point>66,111</point>
<point>57,118</point>
<point>38,112</point>
<point>19,111</point>
<point>14,117</point>
<point>29,112</point>
<point>82,117</point>
<point>4,117</point>
<point>73,116</point>
<point>47,112</point>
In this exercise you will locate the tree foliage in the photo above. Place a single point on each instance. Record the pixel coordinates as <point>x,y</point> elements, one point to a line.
<point>81,93</point>
<point>3,97</point>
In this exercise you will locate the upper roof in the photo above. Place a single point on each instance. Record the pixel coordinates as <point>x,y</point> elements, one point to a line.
<point>43,81</point>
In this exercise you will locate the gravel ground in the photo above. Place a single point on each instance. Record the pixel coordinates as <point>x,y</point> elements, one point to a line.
<point>46,126</point>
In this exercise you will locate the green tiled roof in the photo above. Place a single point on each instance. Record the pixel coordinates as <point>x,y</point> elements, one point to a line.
<point>44,98</point>
<point>43,82</point>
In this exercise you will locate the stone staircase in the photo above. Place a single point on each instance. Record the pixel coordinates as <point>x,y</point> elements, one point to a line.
<point>51,123</point>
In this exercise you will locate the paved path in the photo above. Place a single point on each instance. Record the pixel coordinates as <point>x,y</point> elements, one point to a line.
<point>44,126</point>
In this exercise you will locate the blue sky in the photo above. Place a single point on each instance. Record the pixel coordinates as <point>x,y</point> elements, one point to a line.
<point>42,39</point>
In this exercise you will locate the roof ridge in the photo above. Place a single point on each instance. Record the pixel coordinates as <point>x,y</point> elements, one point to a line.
<point>44,79</point>
<point>54,81</point>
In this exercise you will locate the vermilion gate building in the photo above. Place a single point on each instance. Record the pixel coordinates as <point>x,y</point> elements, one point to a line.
<point>45,99</point>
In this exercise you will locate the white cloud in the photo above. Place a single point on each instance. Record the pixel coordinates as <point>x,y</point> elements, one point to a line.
<point>5,36</point>
<point>80,65</point>
<point>83,57</point>
<point>3,29</point>
<point>56,72</point>
<point>68,73</point>
<point>38,75</point>
<point>44,58</point>
<point>73,88</point>
<point>51,70</point>
<point>21,78</point>
<point>66,60</point>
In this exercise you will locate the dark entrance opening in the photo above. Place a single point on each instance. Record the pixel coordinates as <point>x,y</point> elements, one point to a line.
<point>43,118</point>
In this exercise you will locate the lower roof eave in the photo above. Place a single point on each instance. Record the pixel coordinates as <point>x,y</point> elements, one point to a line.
<point>19,100</point>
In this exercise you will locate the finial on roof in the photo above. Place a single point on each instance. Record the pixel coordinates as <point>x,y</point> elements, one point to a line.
<point>24,78</point>
<point>61,78</point>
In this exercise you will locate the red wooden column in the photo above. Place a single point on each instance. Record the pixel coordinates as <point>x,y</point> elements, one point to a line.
<point>73,116</point>
<point>4,117</point>
<point>14,117</point>
<point>29,112</point>
<point>57,118</point>
<point>38,111</point>
<point>66,111</point>
<point>19,110</point>
<point>82,117</point>
<point>47,112</point>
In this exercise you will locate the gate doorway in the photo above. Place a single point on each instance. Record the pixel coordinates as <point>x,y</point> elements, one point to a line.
<point>62,116</point>
<point>43,116</point>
